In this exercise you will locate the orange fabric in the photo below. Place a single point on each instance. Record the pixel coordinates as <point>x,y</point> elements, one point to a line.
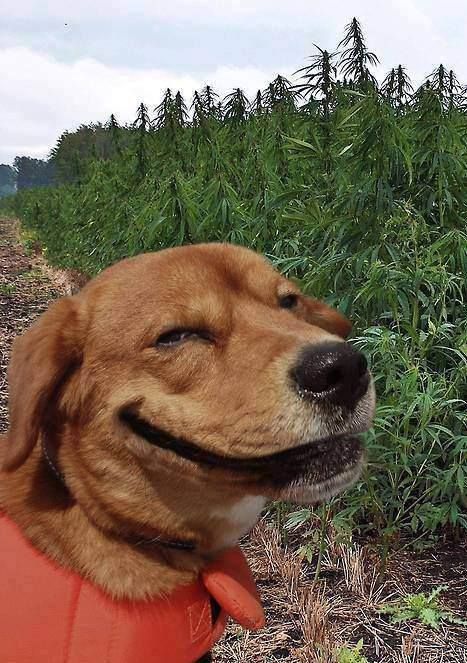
<point>229,580</point>
<point>50,615</point>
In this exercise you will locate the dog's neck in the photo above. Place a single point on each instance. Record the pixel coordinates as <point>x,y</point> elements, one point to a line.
<point>36,498</point>
<point>59,528</point>
<point>134,539</point>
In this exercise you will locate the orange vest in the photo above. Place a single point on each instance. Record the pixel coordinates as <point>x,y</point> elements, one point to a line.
<point>51,615</point>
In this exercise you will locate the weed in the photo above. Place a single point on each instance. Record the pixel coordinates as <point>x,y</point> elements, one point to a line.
<point>354,655</point>
<point>7,289</point>
<point>425,609</point>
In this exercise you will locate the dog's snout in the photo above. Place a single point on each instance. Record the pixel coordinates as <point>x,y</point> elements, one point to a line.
<point>335,372</point>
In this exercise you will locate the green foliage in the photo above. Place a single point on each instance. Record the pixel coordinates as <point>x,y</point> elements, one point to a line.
<point>354,655</point>
<point>423,608</point>
<point>356,192</point>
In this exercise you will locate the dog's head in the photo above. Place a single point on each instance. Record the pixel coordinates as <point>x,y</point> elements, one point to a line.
<point>177,383</point>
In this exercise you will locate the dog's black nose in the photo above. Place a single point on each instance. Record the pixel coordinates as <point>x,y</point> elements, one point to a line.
<point>332,372</point>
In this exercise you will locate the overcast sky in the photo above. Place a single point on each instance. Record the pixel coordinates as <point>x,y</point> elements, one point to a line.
<point>64,63</point>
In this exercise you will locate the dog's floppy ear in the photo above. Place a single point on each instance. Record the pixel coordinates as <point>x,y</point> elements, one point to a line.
<point>320,314</point>
<point>41,359</point>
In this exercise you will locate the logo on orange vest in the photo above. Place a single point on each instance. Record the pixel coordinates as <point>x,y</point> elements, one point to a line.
<point>199,615</point>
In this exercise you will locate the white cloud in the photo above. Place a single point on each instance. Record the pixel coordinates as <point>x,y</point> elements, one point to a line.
<point>42,97</point>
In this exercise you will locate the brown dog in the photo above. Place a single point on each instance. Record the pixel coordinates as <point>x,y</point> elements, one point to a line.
<point>175,395</point>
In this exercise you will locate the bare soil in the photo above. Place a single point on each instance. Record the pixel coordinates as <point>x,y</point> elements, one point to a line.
<point>307,621</point>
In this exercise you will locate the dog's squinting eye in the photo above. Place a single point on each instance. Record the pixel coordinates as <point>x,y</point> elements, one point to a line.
<point>288,301</point>
<point>177,336</point>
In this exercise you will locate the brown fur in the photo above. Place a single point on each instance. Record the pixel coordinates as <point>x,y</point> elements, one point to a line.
<point>93,354</point>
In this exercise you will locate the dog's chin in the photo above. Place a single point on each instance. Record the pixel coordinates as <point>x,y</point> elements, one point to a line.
<point>308,491</point>
<point>335,469</point>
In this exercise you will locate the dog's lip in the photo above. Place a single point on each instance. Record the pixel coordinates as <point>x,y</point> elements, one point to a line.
<point>320,459</point>
<point>318,448</point>
<point>284,463</point>
<point>314,491</point>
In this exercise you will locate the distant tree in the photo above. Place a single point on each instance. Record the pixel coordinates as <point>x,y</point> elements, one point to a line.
<point>32,173</point>
<point>7,180</point>
<point>74,149</point>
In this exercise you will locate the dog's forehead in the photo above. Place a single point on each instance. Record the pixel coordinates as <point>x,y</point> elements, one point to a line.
<point>184,280</point>
<point>224,266</point>
<point>232,267</point>
<point>190,269</point>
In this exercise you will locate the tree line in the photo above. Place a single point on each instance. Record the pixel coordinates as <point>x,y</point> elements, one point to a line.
<point>26,173</point>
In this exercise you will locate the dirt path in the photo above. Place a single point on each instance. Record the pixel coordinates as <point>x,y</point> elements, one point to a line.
<point>307,623</point>
<point>25,291</point>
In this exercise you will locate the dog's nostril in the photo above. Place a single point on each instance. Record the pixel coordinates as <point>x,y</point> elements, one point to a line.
<point>334,377</point>
<point>332,371</point>
<point>322,380</point>
<point>319,380</point>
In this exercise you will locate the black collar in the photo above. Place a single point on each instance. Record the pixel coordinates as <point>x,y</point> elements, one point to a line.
<point>133,539</point>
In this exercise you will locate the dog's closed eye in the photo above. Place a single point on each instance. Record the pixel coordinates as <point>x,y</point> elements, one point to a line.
<point>288,301</point>
<point>177,336</point>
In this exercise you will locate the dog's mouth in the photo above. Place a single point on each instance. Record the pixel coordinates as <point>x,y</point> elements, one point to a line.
<point>328,464</point>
